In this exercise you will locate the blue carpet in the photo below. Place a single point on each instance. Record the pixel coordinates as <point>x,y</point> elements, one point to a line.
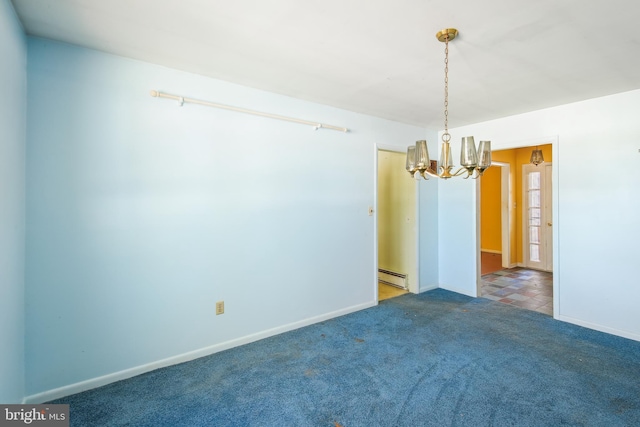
<point>435,359</point>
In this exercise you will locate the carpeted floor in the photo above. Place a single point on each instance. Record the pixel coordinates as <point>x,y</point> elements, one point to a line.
<point>435,359</point>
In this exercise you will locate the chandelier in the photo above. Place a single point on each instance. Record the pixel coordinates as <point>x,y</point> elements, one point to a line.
<point>536,157</point>
<point>473,162</point>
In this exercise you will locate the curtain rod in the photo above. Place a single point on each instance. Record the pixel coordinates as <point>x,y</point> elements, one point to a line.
<point>182,100</point>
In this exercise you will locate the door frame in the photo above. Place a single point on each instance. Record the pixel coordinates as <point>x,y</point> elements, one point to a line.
<point>554,141</point>
<point>505,220</point>
<point>505,204</point>
<point>414,286</point>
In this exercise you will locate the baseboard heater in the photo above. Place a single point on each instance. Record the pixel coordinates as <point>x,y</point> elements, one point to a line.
<point>392,278</point>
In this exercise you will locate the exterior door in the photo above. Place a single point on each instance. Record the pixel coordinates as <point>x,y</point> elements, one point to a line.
<point>537,224</point>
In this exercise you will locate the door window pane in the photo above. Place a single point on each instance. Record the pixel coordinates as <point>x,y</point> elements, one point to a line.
<point>534,217</point>
<point>534,235</point>
<point>534,202</point>
<point>534,253</point>
<point>534,180</point>
<point>534,199</point>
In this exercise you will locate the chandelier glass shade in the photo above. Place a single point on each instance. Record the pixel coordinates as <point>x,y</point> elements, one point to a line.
<point>536,157</point>
<point>473,161</point>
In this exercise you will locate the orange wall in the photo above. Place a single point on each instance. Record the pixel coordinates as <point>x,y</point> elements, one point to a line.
<point>490,213</point>
<point>488,232</point>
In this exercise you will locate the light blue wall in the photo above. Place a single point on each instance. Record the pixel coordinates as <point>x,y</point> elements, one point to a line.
<point>13,114</point>
<point>597,193</point>
<point>142,214</point>
<point>457,245</point>
<point>428,238</point>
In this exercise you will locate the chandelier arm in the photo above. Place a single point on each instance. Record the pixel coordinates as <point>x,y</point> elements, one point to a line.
<point>460,171</point>
<point>478,172</point>
<point>431,173</point>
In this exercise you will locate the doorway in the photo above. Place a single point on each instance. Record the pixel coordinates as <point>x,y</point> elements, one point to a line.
<point>495,231</point>
<point>396,226</point>
<point>526,280</point>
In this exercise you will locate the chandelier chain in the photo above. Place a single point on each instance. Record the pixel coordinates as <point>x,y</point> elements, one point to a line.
<point>473,162</point>
<point>446,136</point>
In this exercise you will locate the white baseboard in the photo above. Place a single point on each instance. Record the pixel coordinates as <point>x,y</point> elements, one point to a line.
<point>595,326</point>
<point>427,288</point>
<point>79,387</point>
<point>459,291</point>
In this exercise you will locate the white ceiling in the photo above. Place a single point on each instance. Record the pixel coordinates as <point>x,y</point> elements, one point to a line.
<point>377,57</point>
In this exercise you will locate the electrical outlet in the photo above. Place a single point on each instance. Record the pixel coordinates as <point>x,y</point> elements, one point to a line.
<point>219,307</point>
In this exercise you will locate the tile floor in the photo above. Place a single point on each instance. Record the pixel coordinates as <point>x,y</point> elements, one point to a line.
<point>520,287</point>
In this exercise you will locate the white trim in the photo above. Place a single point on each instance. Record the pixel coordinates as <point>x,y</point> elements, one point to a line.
<point>555,214</point>
<point>376,150</point>
<point>416,283</point>
<point>81,386</point>
<point>477,289</point>
<point>505,211</point>
<point>458,290</point>
<point>427,288</point>
<point>598,327</point>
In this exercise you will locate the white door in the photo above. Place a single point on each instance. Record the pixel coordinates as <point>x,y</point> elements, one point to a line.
<point>548,214</point>
<point>537,225</point>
